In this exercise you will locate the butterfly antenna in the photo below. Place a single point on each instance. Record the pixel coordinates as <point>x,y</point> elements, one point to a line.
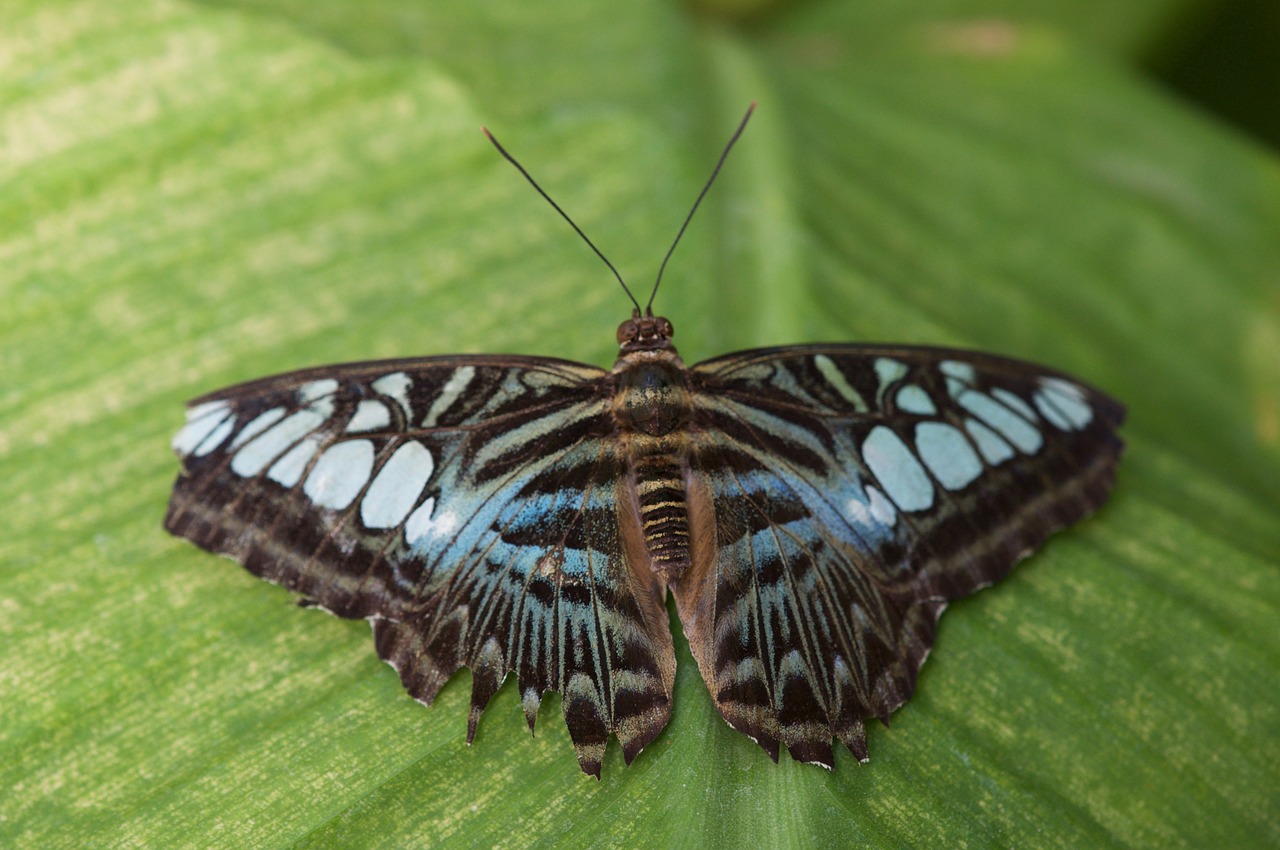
<point>534,183</point>
<point>648,309</point>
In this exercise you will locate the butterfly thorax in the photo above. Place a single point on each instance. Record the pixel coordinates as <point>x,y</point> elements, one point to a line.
<point>651,407</point>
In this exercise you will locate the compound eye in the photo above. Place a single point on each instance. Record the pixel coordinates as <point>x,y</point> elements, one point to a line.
<point>665,329</point>
<point>626,331</point>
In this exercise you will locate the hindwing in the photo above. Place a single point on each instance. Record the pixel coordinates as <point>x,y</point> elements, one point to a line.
<point>467,507</point>
<point>849,493</point>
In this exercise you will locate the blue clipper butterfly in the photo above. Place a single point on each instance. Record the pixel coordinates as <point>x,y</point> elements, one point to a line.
<point>811,508</point>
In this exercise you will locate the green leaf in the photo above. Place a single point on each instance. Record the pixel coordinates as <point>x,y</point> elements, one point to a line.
<point>197,195</point>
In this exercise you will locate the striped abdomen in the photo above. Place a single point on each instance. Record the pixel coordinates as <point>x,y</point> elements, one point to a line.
<point>664,515</point>
<point>652,407</point>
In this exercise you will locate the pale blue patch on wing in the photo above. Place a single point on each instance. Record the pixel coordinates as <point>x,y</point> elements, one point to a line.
<point>254,456</point>
<point>897,469</point>
<point>889,370</point>
<point>947,454</point>
<point>1010,425</point>
<point>259,424</point>
<point>340,474</point>
<point>370,415</point>
<point>396,387</point>
<point>287,471</point>
<point>872,512</point>
<point>1055,416</point>
<point>1014,402</point>
<point>994,450</point>
<point>831,372</point>
<point>859,511</point>
<point>422,523</point>
<point>1064,404</point>
<point>216,436</point>
<point>454,387</point>
<point>309,392</point>
<point>958,369</point>
<point>202,420</point>
<point>882,510</point>
<point>397,486</point>
<point>913,399</point>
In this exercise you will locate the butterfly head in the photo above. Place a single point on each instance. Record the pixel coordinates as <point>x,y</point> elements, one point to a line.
<point>645,333</point>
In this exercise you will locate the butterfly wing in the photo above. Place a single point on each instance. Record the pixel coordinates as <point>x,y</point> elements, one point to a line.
<point>849,493</point>
<point>466,507</point>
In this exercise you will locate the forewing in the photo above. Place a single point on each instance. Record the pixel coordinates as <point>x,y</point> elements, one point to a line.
<point>465,506</point>
<point>847,494</point>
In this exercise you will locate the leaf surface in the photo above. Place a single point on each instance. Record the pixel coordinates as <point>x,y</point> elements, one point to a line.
<point>201,194</point>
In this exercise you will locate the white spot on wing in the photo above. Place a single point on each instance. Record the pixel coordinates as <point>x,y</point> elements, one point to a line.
<point>454,387</point>
<point>216,436</point>
<point>1064,404</point>
<point>397,486</point>
<point>530,701</point>
<point>1010,425</point>
<point>875,511</point>
<point>395,386</point>
<point>882,510</point>
<point>828,369</point>
<point>947,454</point>
<point>913,399</point>
<point>287,471</point>
<point>259,424</point>
<point>340,474</point>
<point>201,421</point>
<point>1008,399</point>
<point>369,416</point>
<point>993,449</point>
<point>897,470</point>
<point>308,393</point>
<point>422,524</point>
<point>857,510</point>
<point>957,369</point>
<point>419,522</point>
<point>889,370</point>
<point>254,456</point>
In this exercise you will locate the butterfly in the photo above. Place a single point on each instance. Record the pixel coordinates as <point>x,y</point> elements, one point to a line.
<point>811,508</point>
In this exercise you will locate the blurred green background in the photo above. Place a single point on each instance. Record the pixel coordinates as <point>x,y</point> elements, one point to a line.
<point>196,194</point>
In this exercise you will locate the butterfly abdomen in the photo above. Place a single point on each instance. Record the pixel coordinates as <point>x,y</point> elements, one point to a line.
<point>664,515</point>
<point>652,407</point>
